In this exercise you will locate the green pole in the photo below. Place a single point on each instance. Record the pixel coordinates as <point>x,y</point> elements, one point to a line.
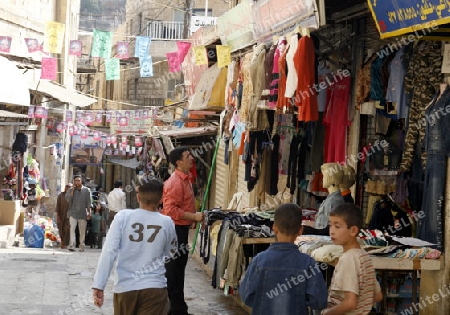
<point>205,196</point>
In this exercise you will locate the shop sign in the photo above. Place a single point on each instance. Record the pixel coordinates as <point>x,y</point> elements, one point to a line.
<point>398,17</point>
<point>235,27</point>
<point>84,151</point>
<point>123,122</point>
<point>200,21</point>
<point>271,16</point>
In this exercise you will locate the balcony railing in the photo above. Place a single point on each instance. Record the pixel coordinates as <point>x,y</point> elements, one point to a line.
<point>165,30</point>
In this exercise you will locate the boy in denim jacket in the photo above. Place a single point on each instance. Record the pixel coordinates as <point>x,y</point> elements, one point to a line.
<point>282,280</point>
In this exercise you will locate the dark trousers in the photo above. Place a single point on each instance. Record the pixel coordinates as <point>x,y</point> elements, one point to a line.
<point>175,272</point>
<point>152,301</point>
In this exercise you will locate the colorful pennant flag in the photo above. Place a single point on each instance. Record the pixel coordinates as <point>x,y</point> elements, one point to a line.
<point>146,70</point>
<point>54,37</point>
<point>142,48</point>
<point>97,135</point>
<point>98,116</point>
<point>223,55</point>
<point>101,44</point>
<point>88,118</point>
<point>123,121</point>
<point>40,112</point>
<point>200,55</point>
<point>173,61</point>
<point>60,127</point>
<point>183,48</point>
<point>138,141</point>
<point>84,133</point>
<point>112,66</point>
<point>31,112</point>
<point>122,50</point>
<point>108,116</point>
<point>5,44</point>
<point>32,45</point>
<point>75,48</point>
<point>48,68</point>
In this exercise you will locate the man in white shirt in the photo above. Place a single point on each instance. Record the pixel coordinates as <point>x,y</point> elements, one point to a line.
<point>141,241</point>
<point>116,201</point>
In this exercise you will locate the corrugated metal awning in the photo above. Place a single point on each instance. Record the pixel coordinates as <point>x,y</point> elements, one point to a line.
<point>8,114</point>
<point>188,132</point>
<point>61,93</point>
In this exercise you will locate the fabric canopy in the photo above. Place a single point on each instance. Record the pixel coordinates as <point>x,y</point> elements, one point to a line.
<point>210,91</point>
<point>13,86</point>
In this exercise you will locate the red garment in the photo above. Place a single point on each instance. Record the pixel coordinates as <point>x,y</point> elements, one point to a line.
<point>336,120</point>
<point>282,101</point>
<point>306,95</point>
<point>178,198</point>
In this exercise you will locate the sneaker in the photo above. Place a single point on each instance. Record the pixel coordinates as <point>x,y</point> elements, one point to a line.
<point>70,248</point>
<point>81,250</point>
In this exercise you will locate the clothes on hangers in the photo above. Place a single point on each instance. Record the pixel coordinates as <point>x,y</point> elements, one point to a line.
<point>388,217</point>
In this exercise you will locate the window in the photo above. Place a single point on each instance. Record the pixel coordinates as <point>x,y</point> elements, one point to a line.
<point>201,12</point>
<point>173,89</point>
<point>136,81</point>
<point>178,16</point>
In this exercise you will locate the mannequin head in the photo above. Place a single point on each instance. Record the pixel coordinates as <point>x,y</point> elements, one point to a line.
<point>348,179</point>
<point>332,176</point>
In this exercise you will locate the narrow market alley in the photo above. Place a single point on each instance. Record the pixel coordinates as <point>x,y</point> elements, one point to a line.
<point>56,282</point>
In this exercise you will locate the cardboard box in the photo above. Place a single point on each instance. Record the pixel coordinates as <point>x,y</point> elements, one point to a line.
<point>9,212</point>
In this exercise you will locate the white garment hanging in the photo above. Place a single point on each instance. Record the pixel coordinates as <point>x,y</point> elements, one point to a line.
<point>291,79</point>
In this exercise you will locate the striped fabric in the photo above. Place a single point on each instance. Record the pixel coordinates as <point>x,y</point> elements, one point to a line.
<point>354,273</point>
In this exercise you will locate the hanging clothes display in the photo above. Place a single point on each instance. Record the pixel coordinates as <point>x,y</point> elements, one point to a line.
<point>431,225</point>
<point>336,121</point>
<point>421,81</point>
<point>305,65</point>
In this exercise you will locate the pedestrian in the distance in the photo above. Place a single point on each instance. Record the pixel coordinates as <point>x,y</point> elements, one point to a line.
<point>79,199</point>
<point>179,204</point>
<point>116,201</point>
<point>281,279</point>
<point>62,218</point>
<point>98,224</point>
<point>140,241</point>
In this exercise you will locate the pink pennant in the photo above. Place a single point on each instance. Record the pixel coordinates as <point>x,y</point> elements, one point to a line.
<point>60,127</point>
<point>48,68</point>
<point>183,48</point>
<point>173,61</point>
<point>75,48</point>
<point>122,50</point>
<point>5,44</point>
<point>32,45</point>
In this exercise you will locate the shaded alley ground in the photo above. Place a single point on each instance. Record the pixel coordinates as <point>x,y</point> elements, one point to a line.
<point>55,281</point>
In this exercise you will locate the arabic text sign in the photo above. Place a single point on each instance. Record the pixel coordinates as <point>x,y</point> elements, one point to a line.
<point>200,21</point>
<point>398,17</point>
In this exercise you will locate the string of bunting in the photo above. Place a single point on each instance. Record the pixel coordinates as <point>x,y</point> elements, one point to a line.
<point>102,48</point>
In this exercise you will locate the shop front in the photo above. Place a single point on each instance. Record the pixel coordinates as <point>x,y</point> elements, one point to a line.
<point>307,97</point>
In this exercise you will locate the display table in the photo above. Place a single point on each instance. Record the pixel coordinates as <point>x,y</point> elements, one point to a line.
<point>9,221</point>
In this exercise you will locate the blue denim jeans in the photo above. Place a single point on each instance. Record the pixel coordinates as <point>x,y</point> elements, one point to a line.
<point>430,227</point>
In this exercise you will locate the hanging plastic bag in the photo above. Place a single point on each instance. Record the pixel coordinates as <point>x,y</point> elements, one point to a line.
<point>33,236</point>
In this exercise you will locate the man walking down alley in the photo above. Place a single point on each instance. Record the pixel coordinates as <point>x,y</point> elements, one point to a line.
<point>116,201</point>
<point>79,199</point>
<point>62,218</point>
